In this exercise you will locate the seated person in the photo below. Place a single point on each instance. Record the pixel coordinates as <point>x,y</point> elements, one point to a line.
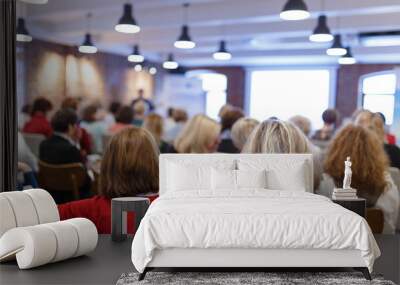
<point>330,118</point>
<point>123,119</point>
<point>375,123</point>
<point>62,147</point>
<point>180,117</point>
<point>228,118</point>
<point>276,136</point>
<point>241,130</point>
<point>370,170</point>
<point>303,123</point>
<point>129,168</point>
<point>25,177</point>
<point>154,124</point>
<point>95,127</point>
<point>139,111</point>
<point>25,154</point>
<point>148,103</point>
<point>38,123</point>
<point>199,135</point>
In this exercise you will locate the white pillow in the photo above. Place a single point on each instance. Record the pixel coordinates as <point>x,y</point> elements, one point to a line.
<point>283,174</point>
<point>223,179</point>
<point>251,178</point>
<point>182,177</point>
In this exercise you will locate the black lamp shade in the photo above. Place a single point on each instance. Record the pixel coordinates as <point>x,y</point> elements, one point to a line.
<point>222,47</point>
<point>127,18</point>
<point>337,42</point>
<point>21,28</point>
<point>136,50</point>
<point>348,52</point>
<point>170,57</point>
<point>295,5</point>
<point>88,40</point>
<point>322,26</point>
<point>185,34</point>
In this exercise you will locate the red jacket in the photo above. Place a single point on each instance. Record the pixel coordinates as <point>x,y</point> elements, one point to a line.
<point>38,124</point>
<point>96,209</point>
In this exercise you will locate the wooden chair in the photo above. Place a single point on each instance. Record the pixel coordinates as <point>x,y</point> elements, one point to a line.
<point>34,141</point>
<point>375,219</point>
<point>63,179</point>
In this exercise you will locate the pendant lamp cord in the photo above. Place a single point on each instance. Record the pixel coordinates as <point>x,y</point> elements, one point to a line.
<point>185,13</point>
<point>88,24</point>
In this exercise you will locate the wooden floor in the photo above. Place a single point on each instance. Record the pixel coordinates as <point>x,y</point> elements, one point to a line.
<point>110,260</point>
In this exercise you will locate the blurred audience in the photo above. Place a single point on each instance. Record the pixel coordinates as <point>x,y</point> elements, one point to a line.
<point>63,146</point>
<point>85,140</point>
<point>223,109</point>
<point>24,115</point>
<point>169,122</point>
<point>228,118</point>
<point>109,117</point>
<point>390,138</point>
<point>241,131</point>
<point>120,177</point>
<point>154,124</point>
<point>375,123</point>
<point>124,119</point>
<point>199,135</point>
<point>94,127</point>
<point>139,111</point>
<point>25,154</point>
<point>180,117</point>
<point>25,177</point>
<point>303,123</point>
<point>330,118</point>
<point>370,170</point>
<point>38,122</point>
<point>276,136</point>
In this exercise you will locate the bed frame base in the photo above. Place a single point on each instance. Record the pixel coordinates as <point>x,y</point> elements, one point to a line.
<point>363,270</point>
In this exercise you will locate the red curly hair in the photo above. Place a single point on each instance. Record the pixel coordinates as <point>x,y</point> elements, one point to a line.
<point>369,161</point>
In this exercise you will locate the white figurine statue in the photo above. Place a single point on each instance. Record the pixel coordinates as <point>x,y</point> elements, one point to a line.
<point>347,174</point>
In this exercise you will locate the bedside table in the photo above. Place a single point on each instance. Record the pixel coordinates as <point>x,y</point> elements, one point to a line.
<point>355,205</point>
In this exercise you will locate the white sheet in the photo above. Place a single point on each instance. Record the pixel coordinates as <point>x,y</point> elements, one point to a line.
<point>253,218</point>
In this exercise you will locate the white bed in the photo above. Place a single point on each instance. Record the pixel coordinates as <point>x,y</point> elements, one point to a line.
<point>198,223</point>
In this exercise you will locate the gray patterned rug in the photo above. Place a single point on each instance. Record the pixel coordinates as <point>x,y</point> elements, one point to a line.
<point>243,278</point>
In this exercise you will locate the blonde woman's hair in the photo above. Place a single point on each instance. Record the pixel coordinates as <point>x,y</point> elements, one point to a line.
<point>369,161</point>
<point>130,164</point>
<point>275,136</point>
<point>154,124</point>
<point>372,121</point>
<point>197,135</point>
<point>241,131</point>
<point>303,123</point>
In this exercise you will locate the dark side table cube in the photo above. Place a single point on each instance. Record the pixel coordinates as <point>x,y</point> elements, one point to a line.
<point>355,205</point>
<point>119,207</point>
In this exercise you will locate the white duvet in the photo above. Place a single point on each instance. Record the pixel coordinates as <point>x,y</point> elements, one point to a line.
<point>250,219</point>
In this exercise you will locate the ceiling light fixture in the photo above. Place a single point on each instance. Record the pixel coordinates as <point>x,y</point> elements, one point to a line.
<point>170,63</point>
<point>87,46</point>
<point>294,10</point>
<point>222,53</point>
<point>152,70</point>
<point>135,56</point>
<point>347,58</point>
<point>138,67</point>
<point>37,2</point>
<point>184,41</point>
<point>321,32</point>
<point>127,23</point>
<point>22,33</point>
<point>337,48</point>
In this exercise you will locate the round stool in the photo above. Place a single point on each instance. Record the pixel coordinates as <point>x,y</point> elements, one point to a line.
<point>119,208</point>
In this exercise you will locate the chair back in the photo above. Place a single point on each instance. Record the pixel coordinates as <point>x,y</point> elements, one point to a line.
<point>395,174</point>
<point>67,178</point>
<point>375,219</point>
<point>34,141</point>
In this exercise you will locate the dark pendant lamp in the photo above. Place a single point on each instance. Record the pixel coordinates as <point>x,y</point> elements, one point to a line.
<point>87,46</point>
<point>184,41</point>
<point>127,23</point>
<point>222,53</point>
<point>347,58</point>
<point>321,32</point>
<point>294,10</point>
<point>170,63</point>
<point>135,56</point>
<point>337,48</point>
<point>22,33</point>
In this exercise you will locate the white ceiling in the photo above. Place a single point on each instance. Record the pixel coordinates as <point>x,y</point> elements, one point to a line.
<point>252,28</point>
